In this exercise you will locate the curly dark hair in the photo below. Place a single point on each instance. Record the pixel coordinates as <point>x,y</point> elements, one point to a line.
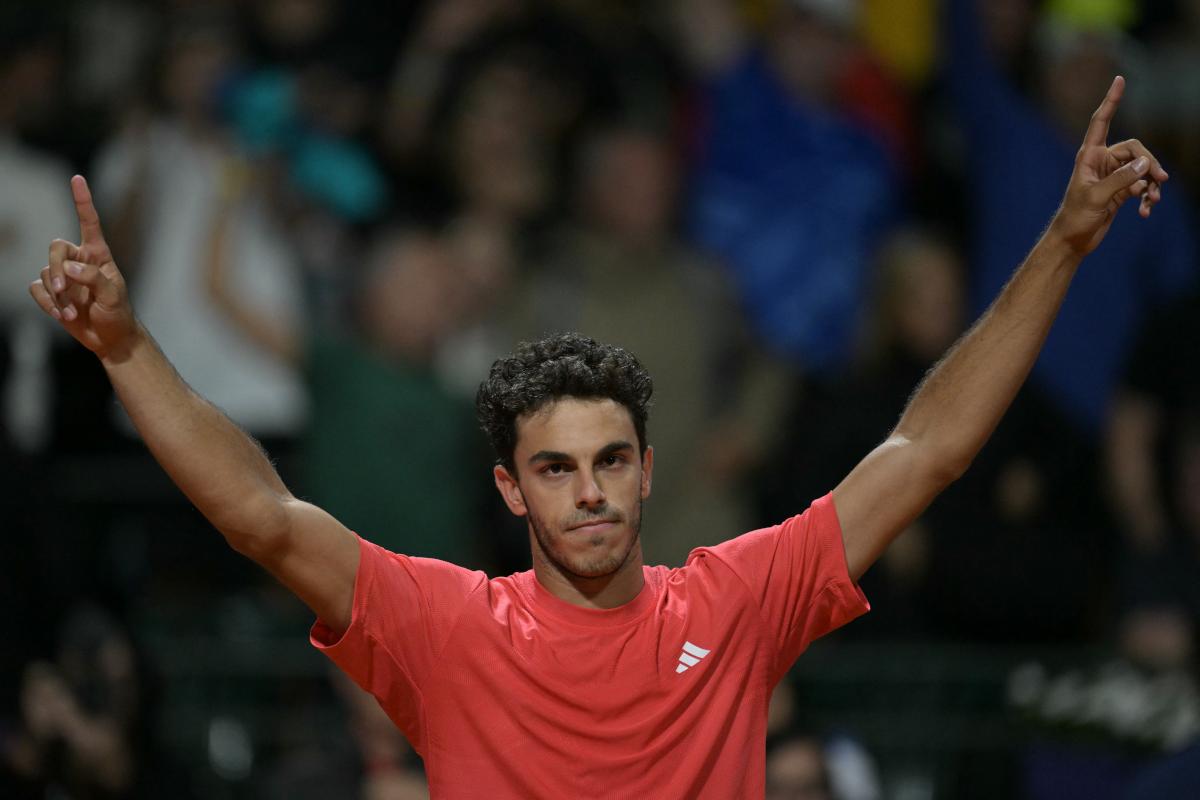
<point>562,365</point>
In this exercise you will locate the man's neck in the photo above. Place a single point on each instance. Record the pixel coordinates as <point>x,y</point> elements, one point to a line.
<point>609,591</point>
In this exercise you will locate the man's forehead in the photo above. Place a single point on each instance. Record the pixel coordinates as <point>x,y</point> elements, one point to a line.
<point>574,423</point>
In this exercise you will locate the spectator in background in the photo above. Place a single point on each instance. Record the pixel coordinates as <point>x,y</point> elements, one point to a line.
<point>952,572</point>
<point>511,105</point>
<point>307,106</point>
<point>1158,403</point>
<point>441,30</point>
<point>1020,152</point>
<point>918,310</point>
<point>804,766</point>
<point>389,441</point>
<point>32,212</point>
<point>681,322</point>
<point>1029,505</point>
<point>1007,29</point>
<point>796,770</point>
<point>303,111</point>
<point>1154,469</point>
<point>290,32</point>
<point>32,208</point>
<point>161,176</point>
<point>81,733</point>
<point>390,768</point>
<point>794,182</point>
<point>1173,85</point>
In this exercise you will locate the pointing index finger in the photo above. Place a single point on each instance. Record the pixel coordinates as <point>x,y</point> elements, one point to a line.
<point>1097,132</point>
<point>89,220</point>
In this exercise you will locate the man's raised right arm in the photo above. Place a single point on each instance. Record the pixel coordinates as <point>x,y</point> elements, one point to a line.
<point>219,467</point>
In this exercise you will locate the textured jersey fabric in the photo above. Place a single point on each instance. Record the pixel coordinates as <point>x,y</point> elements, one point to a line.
<point>508,692</point>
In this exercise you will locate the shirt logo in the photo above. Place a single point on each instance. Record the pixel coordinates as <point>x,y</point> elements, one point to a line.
<point>690,657</point>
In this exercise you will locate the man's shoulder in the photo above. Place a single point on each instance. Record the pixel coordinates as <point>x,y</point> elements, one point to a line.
<point>716,567</point>
<point>386,567</point>
<point>757,549</point>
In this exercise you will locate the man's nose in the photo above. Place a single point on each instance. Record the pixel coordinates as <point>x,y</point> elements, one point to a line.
<point>588,494</point>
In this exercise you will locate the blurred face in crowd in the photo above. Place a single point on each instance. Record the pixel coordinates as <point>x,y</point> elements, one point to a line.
<point>498,149</point>
<point>924,302</point>
<point>1158,637</point>
<point>580,481</point>
<point>195,65</point>
<point>1075,71</point>
<point>808,52</point>
<point>796,771</point>
<point>290,24</point>
<point>1006,25</point>
<point>410,303</point>
<point>485,257</point>
<point>447,24</point>
<point>1019,490</point>
<point>28,78</point>
<point>629,184</point>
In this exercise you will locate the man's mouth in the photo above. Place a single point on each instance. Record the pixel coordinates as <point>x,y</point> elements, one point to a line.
<point>593,525</point>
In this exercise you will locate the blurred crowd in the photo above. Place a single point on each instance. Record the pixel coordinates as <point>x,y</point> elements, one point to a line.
<point>333,216</point>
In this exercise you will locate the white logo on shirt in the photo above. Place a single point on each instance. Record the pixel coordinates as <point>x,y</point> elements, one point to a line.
<point>690,657</point>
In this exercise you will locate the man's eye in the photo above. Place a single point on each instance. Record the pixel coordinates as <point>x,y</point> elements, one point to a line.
<point>612,461</point>
<point>556,469</point>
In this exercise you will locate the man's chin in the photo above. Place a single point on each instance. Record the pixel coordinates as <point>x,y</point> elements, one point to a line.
<point>595,567</point>
<point>587,555</point>
<point>590,568</point>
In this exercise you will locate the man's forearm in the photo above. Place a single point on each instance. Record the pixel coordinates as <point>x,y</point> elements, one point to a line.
<point>961,400</point>
<point>219,467</point>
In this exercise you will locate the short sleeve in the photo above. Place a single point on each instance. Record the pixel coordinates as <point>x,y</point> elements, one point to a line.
<point>404,611</point>
<point>796,574</point>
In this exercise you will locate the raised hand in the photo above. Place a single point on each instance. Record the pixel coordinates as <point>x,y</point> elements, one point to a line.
<point>82,288</point>
<point>1104,178</point>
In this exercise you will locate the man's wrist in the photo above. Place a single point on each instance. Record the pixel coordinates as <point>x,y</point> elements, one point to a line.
<point>137,342</point>
<point>1059,247</point>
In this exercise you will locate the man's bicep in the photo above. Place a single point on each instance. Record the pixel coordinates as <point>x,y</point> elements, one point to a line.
<point>881,497</point>
<point>318,561</point>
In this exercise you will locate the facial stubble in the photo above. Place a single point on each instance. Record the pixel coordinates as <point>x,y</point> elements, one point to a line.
<point>592,569</point>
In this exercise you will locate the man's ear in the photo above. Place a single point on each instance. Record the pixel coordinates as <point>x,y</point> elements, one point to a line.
<point>647,469</point>
<point>510,490</point>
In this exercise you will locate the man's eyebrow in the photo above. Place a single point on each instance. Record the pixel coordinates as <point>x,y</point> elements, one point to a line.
<point>548,455</point>
<point>543,456</point>
<point>614,447</point>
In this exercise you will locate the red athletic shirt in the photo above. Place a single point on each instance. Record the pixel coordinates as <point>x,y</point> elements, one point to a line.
<point>509,692</point>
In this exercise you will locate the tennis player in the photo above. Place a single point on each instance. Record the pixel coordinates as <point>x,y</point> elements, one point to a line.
<point>592,675</point>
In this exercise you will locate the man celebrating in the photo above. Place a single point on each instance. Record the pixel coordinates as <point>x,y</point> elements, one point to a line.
<point>592,674</point>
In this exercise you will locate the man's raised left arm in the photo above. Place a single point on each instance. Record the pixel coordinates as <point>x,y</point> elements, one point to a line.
<point>962,398</point>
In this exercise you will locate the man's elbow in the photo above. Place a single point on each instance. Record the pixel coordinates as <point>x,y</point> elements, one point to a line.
<point>935,466</point>
<point>943,469</point>
<point>260,531</point>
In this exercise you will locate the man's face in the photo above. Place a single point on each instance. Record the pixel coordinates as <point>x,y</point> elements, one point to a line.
<point>580,480</point>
